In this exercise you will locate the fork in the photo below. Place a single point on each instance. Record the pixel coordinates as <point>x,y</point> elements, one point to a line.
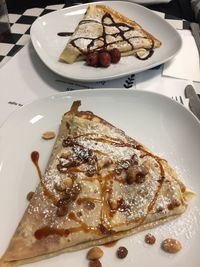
<point>178,99</point>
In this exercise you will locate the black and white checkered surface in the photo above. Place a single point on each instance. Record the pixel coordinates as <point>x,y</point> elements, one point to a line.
<point>20,28</point>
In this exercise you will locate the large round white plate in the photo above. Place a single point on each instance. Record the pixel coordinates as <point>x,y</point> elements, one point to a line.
<point>49,45</point>
<point>164,126</point>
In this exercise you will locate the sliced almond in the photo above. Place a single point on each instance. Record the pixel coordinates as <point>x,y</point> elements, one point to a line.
<point>113,204</point>
<point>48,135</point>
<point>94,253</point>
<point>68,182</point>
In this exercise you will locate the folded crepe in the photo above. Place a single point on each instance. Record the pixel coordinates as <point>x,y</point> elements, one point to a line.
<point>100,185</point>
<point>105,28</point>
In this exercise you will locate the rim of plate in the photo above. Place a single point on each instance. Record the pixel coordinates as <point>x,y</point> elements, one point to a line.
<point>100,91</point>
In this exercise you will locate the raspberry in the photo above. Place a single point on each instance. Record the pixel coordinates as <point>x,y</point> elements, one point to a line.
<point>115,55</point>
<point>104,59</point>
<point>92,59</point>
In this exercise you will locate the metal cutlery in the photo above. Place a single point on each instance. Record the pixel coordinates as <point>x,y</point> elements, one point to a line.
<point>178,99</point>
<point>194,101</point>
<point>195,28</point>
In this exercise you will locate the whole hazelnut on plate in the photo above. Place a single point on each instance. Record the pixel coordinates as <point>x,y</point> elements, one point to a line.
<point>171,245</point>
<point>94,253</point>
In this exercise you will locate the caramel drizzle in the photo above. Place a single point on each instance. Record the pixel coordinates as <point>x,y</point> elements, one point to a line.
<point>110,244</point>
<point>114,143</point>
<point>105,139</point>
<point>106,213</point>
<point>87,199</point>
<point>35,159</point>
<point>83,226</point>
<point>162,178</point>
<point>102,38</point>
<point>105,209</point>
<point>91,179</point>
<point>47,231</point>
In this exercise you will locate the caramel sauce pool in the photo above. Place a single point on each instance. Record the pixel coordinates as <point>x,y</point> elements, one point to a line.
<point>110,244</point>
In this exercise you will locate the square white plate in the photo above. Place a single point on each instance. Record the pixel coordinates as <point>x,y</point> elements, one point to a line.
<point>161,124</point>
<point>49,45</point>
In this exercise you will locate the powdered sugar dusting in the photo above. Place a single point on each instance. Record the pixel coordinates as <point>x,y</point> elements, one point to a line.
<point>97,157</point>
<point>183,228</point>
<point>98,29</point>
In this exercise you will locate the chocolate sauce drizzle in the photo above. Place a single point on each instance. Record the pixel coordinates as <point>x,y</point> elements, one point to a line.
<point>64,34</point>
<point>121,33</point>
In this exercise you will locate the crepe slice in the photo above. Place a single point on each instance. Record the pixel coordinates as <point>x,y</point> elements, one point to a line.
<point>100,185</point>
<point>104,28</point>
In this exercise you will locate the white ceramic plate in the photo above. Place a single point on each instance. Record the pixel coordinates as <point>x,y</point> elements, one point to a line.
<point>166,127</point>
<point>49,45</point>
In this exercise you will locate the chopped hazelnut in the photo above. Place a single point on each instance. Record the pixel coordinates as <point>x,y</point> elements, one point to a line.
<point>61,168</point>
<point>63,201</point>
<point>131,175</point>
<point>103,230</point>
<point>95,263</point>
<point>104,163</point>
<point>136,174</point>
<point>74,192</point>
<point>91,171</point>
<point>79,214</point>
<point>134,160</point>
<point>60,187</point>
<point>113,204</point>
<point>122,205</point>
<point>62,211</point>
<point>174,204</point>
<point>159,209</point>
<point>65,154</point>
<point>68,182</point>
<point>150,239</point>
<point>89,205</point>
<point>29,196</point>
